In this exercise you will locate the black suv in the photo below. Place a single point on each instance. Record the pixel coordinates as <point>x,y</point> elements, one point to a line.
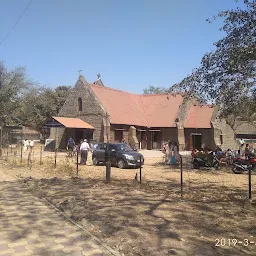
<point>120,154</point>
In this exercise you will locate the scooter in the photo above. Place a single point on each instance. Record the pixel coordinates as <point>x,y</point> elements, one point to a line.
<point>206,161</point>
<point>241,165</point>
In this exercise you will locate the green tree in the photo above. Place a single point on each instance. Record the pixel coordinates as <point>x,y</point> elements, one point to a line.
<point>40,104</point>
<point>227,74</point>
<point>13,85</point>
<point>155,90</point>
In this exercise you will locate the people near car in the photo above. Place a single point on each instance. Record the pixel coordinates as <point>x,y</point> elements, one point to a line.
<point>84,148</point>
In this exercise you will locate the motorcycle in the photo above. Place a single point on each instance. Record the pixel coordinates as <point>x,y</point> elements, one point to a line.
<point>207,161</point>
<point>241,165</point>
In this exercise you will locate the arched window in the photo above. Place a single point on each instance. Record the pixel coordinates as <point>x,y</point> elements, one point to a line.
<point>80,104</point>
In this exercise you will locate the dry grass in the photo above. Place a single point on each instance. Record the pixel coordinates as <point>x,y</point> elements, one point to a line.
<point>152,218</point>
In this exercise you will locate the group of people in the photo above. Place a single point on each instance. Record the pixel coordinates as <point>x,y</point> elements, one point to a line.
<point>28,145</point>
<point>83,148</point>
<point>171,151</point>
<point>225,156</point>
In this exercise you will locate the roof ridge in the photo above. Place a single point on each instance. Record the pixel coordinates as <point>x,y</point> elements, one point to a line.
<point>113,89</point>
<point>141,95</point>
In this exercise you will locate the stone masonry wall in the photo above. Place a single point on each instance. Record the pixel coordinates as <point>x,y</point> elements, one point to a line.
<point>92,110</point>
<point>207,137</point>
<point>228,135</point>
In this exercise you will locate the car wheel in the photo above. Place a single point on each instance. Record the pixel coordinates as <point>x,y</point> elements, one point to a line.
<point>95,161</point>
<point>121,164</point>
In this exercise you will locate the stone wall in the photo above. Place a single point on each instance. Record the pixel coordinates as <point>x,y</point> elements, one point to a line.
<point>92,110</point>
<point>132,138</point>
<point>59,135</point>
<point>228,135</point>
<point>181,117</point>
<point>207,137</point>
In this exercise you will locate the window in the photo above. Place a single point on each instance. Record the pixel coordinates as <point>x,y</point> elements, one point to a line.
<point>111,146</point>
<point>221,139</point>
<point>101,146</point>
<point>80,104</point>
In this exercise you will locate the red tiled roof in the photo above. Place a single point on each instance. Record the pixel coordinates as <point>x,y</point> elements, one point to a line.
<point>123,107</point>
<point>143,110</point>
<point>161,109</point>
<point>199,117</point>
<point>73,122</point>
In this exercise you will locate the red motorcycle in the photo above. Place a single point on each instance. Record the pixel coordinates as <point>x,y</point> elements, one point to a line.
<point>241,165</point>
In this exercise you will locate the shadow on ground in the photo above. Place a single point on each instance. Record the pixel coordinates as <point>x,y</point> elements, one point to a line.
<point>152,218</point>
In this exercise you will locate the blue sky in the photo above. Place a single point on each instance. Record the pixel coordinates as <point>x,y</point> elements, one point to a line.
<point>133,44</point>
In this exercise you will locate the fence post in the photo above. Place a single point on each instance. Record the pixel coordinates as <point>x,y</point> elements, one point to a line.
<point>21,149</point>
<point>250,183</point>
<point>55,158</point>
<point>1,141</point>
<point>29,159</point>
<point>55,153</point>
<point>108,166</point>
<point>41,151</point>
<point>181,176</point>
<point>77,152</point>
<point>140,171</point>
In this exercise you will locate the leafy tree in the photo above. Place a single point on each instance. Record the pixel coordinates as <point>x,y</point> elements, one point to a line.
<point>13,85</point>
<point>25,103</point>
<point>40,104</point>
<point>155,90</point>
<point>227,74</point>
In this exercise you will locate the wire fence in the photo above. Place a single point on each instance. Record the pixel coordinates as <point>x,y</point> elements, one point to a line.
<point>180,179</point>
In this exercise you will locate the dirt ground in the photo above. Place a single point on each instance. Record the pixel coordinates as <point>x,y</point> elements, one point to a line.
<point>150,218</point>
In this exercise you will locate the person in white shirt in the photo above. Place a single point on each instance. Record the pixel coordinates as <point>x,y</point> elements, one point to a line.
<point>25,145</point>
<point>31,145</point>
<point>84,151</point>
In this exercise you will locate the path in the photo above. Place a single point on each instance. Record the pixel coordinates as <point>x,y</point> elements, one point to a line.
<point>30,227</point>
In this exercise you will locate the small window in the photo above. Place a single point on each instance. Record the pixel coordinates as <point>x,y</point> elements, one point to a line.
<point>100,146</point>
<point>80,104</point>
<point>221,139</point>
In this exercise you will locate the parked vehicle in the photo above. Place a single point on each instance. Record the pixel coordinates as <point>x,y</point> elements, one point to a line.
<point>120,155</point>
<point>241,165</point>
<point>208,161</point>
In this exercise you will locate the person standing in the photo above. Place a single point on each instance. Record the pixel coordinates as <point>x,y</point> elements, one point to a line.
<point>31,145</point>
<point>84,151</point>
<point>25,145</point>
<point>246,151</point>
<point>176,152</point>
<point>70,146</point>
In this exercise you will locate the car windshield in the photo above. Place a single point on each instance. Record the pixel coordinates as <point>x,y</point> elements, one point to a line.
<point>124,148</point>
